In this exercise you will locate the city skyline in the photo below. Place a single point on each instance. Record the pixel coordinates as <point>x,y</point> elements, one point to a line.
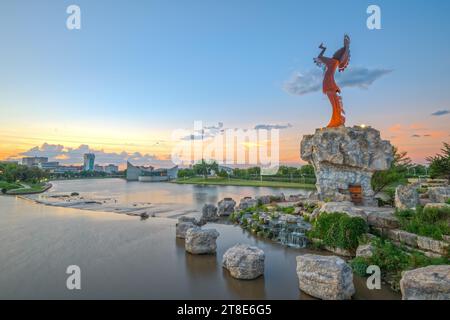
<point>121,85</point>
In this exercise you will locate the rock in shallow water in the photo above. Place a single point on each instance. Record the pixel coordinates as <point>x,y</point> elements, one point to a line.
<point>325,277</point>
<point>226,207</point>
<point>201,241</point>
<point>209,213</point>
<point>429,283</point>
<point>244,261</point>
<point>182,228</point>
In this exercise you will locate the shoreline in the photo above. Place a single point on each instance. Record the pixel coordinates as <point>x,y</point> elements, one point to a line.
<point>245,183</point>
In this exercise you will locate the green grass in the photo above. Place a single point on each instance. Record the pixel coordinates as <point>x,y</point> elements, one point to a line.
<point>33,188</point>
<point>241,182</point>
<point>432,222</point>
<point>392,260</point>
<point>9,186</point>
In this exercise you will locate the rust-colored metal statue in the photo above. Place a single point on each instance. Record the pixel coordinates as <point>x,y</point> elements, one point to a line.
<point>339,60</point>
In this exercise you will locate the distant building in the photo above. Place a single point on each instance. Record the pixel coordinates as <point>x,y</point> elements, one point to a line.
<point>34,161</point>
<point>99,168</point>
<point>68,169</point>
<point>49,166</point>
<point>150,174</point>
<point>111,168</point>
<point>89,162</point>
<point>228,170</point>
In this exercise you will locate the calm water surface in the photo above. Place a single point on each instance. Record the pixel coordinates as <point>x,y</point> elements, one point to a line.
<point>123,257</point>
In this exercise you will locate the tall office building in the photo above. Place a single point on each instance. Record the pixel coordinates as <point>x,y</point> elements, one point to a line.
<point>89,160</point>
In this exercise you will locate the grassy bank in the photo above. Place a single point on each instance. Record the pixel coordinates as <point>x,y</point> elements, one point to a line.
<point>21,189</point>
<point>242,182</point>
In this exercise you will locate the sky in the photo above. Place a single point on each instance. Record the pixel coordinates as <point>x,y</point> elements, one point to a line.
<point>137,71</point>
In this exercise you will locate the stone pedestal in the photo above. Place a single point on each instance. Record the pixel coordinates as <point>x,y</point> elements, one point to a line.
<point>343,157</point>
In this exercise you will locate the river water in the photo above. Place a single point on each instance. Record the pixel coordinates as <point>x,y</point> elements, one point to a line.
<point>123,257</point>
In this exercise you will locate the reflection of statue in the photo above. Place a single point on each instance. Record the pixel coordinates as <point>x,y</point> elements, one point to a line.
<point>339,60</point>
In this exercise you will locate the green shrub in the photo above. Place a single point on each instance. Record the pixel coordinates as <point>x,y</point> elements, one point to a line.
<point>287,210</point>
<point>392,260</point>
<point>339,230</point>
<point>448,201</point>
<point>359,266</point>
<point>430,222</point>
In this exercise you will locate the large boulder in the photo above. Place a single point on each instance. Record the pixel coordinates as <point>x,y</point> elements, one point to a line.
<point>201,241</point>
<point>407,197</point>
<point>325,277</point>
<point>436,246</point>
<point>383,219</point>
<point>344,207</point>
<point>182,228</point>
<point>428,283</point>
<point>226,207</point>
<point>439,194</point>
<point>209,213</point>
<point>247,202</point>
<point>244,261</point>
<point>346,156</point>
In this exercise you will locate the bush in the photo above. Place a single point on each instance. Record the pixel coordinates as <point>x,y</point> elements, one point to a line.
<point>359,266</point>
<point>392,260</point>
<point>288,210</point>
<point>338,230</point>
<point>448,201</point>
<point>432,222</point>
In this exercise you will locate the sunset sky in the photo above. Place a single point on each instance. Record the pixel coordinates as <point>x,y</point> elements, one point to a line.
<point>138,70</point>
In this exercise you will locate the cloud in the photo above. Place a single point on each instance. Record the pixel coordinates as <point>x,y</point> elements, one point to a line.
<point>311,81</point>
<point>440,113</point>
<point>272,126</point>
<point>75,155</point>
<point>415,136</point>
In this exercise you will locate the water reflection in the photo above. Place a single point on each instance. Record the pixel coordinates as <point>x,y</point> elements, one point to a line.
<point>123,257</point>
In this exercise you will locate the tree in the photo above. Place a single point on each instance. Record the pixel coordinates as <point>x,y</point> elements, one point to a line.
<point>396,173</point>
<point>440,163</point>
<point>204,168</point>
<point>307,169</point>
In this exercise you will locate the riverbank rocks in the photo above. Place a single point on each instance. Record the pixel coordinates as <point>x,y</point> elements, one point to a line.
<point>201,241</point>
<point>325,277</point>
<point>226,207</point>
<point>344,157</point>
<point>247,202</point>
<point>439,206</point>
<point>344,207</point>
<point>383,219</point>
<point>407,197</point>
<point>244,261</point>
<point>436,246</point>
<point>183,225</point>
<point>428,283</point>
<point>209,213</point>
<point>439,194</point>
<point>365,250</point>
<point>263,199</point>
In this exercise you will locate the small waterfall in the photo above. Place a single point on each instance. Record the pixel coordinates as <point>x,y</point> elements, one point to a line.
<point>293,235</point>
